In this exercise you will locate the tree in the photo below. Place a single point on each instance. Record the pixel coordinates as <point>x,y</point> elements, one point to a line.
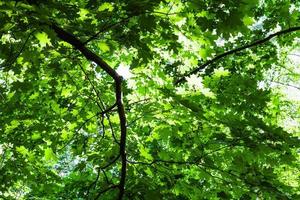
<point>147,99</point>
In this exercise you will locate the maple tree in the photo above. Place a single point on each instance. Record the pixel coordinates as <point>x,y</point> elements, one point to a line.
<point>140,99</point>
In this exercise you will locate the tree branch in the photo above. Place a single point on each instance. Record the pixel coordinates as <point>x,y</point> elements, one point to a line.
<point>94,183</point>
<point>105,190</point>
<point>286,84</point>
<point>20,51</point>
<point>122,118</point>
<point>111,162</point>
<point>94,88</point>
<point>78,45</point>
<point>165,161</point>
<point>220,56</point>
<point>105,28</point>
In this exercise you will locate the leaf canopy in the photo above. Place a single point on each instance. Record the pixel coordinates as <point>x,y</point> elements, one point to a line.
<point>149,99</point>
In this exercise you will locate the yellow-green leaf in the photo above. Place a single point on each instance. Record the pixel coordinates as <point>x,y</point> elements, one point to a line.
<point>106,6</point>
<point>145,152</point>
<point>103,46</point>
<point>22,150</point>
<point>43,39</point>
<point>35,136</point>
<point>83,14</point>
<point>65,135</point>
<point>66,92</point>
<point>49,155</point>
<point>248,20</point>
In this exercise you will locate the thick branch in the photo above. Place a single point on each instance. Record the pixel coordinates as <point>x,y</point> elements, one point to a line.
<point>122,118</point>
<point>218,57</point>
<point>77,44</point>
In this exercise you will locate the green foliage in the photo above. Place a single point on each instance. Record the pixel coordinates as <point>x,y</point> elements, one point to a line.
<point>216,135</point>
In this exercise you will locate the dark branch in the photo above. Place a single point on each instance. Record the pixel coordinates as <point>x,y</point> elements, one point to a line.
<point>112,129</point>
<point>111,162</point>
<point>122,118</point>
<point>20,51</point>
<point>164,161</point>
<point>107,110</point>
<point>106,28</point>
<point>105,176</point>
<point>218,57</point>
<point>77,44</point>
<point>286,84</point>
<point>94,88</point>
<point>105,190</point>
<point>94,183</point>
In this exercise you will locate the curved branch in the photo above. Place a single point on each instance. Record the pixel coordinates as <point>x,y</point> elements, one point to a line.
<point>233,51</point>
<point>77,44</point>
<point>105,190</point>
<point>110,163</point>
<point>80,46</point>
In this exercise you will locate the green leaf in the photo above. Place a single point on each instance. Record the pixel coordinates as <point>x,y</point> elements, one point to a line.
<point>106,6</point>
<point>49,155</point>
<point>83,14</point>
<point>248,20</point>
<point>84,84</point>
<point>145,152</point>
<point>66,92</point>
<point>43,39</point>
<point>66,135</point>
<point>22,150</point>
<point>35,136</point>
<point>103,46</point>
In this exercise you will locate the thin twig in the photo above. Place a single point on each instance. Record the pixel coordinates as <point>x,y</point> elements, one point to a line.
<point>105,190</point>
<point>94,88</point>
<point>105,176</point>
<point>111,162</point>
<point>85,122</point>
<point>21,49</point>
<point>94,183</point>
<point>106,28</point>
<point>220,56</point>
<point>286,84</point>
<point>112,129</point>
